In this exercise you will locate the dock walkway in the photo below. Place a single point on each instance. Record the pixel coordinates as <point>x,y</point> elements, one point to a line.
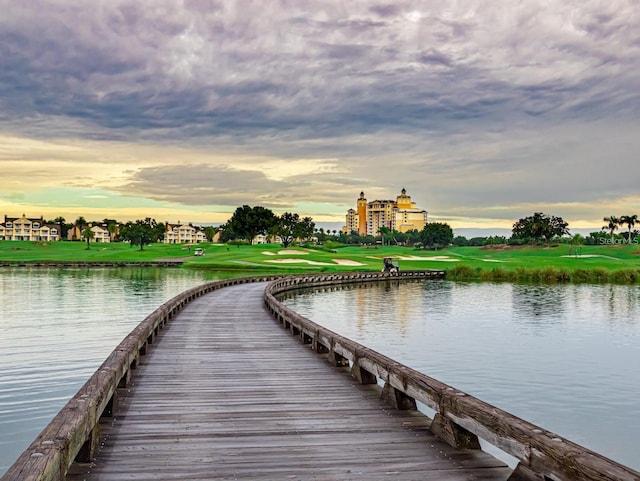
<point>227,394</point>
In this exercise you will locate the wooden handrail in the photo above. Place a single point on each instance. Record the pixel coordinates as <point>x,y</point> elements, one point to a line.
<point>460,418</point>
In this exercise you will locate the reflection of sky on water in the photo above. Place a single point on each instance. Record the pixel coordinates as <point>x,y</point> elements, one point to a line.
<point>58,325</point>
<point>561,356</point>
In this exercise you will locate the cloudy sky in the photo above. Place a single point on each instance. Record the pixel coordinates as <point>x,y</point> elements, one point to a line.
<point>485,111</point>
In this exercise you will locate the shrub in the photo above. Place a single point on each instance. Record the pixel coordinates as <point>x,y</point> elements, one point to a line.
<point>463,273</point>
<point>625,276</point>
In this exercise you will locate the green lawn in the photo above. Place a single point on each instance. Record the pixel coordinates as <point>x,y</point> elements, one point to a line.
<point>498,263</point>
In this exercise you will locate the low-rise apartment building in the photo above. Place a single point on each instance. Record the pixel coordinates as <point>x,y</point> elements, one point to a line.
<point>183,234</point>
<point>28,229</point>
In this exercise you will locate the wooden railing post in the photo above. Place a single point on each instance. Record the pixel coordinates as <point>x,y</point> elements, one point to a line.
<point>452,434</point>
<point>362,375</point>
<point>336,359</point>
<point>398,399</point>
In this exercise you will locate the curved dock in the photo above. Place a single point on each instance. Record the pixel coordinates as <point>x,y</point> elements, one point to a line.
<point>226,394</point>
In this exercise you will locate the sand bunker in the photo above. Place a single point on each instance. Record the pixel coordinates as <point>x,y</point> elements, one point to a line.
<point>347,262</point>
<point>289,252</point>
<point>593,255</point>
<point>304,261</point>
<point>433,258</point>
<point>493,260</point>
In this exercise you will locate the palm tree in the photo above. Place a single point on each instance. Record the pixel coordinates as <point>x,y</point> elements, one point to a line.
<point>630,221</point>
<point>613,223</point>
<point>113,230</point>
<point>383,231</point>
<point>63,227</point>
<point>88,234</point>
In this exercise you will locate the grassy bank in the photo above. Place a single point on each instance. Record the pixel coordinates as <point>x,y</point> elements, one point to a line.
<point>499,263</point>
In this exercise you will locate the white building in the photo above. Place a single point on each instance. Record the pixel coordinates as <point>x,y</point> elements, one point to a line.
<point>100,234</point>
<point>183,234</point>
<point>28,229</point>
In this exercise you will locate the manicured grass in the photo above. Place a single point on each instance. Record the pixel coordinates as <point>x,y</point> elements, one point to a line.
<point>77,251</point>
<point>531,264</point>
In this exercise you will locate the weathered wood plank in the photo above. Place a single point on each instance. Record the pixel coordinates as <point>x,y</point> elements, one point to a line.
<point>226,394</point>
<point>460,419</point>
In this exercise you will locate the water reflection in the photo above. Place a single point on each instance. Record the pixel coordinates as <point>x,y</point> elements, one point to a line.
<point>561,356</point>
<point>538,305</point>
<point>57,325</point>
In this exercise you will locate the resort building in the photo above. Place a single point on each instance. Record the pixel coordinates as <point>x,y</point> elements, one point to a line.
<point>183,234</point>
<point>100,234</point>
<point>400,214</point>
<point>28,229</point>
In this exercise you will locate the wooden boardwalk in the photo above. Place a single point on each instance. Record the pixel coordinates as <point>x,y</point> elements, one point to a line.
<point>227,394</point>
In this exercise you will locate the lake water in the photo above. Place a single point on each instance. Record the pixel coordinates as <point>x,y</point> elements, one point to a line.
<point>58,325</point>
<point>563,357</point>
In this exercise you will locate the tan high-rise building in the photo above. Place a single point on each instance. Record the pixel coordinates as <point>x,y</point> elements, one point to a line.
<point>352,222</point>
<point>408,216</point>
<point>362,215</point>
<point>400,214</point>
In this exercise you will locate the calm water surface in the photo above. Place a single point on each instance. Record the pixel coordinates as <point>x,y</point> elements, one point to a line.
<point>57,326</point>
<point>565,357</point>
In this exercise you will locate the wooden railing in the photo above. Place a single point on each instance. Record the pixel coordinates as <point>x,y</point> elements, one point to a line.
<point>73,434</point>
<point>460,419</point>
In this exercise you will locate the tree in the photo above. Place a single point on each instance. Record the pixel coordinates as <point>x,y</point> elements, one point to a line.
<point>436,234</point>
<point>61,222</point>
<point>575,246</point>
<point>286,228</point>
<point>290,227</point>
<point>413,236</point>
<point>539,227</point>
<point>305,228</point>
<point>630,221</point>
<point>384,231</point>
<point>210,232</point>
<point>88,234</point>
<point>247,222</point>
<point>112,227</point>
<point>460,241</point>
<point>142,232</point>
<point>81,222</point>
<point>612,224</point>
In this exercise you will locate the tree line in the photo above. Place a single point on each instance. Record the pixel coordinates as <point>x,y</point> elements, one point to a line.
<point>248,222</point>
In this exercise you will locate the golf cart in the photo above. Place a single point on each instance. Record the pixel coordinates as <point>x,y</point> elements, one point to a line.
<point>391,265</point>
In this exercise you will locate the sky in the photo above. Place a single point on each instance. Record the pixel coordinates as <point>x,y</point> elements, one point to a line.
<point>182,110</point>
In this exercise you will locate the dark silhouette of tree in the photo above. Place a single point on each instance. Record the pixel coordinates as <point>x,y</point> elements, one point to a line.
<point>629,221</point>
<point>248,222</point>
<point>81,222</point>
<point>612,223</point>
<point>61,222</point>
<point>290,227</point>
<point>436,234</point>
<point>142,232</point>
<point>539,227</point>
